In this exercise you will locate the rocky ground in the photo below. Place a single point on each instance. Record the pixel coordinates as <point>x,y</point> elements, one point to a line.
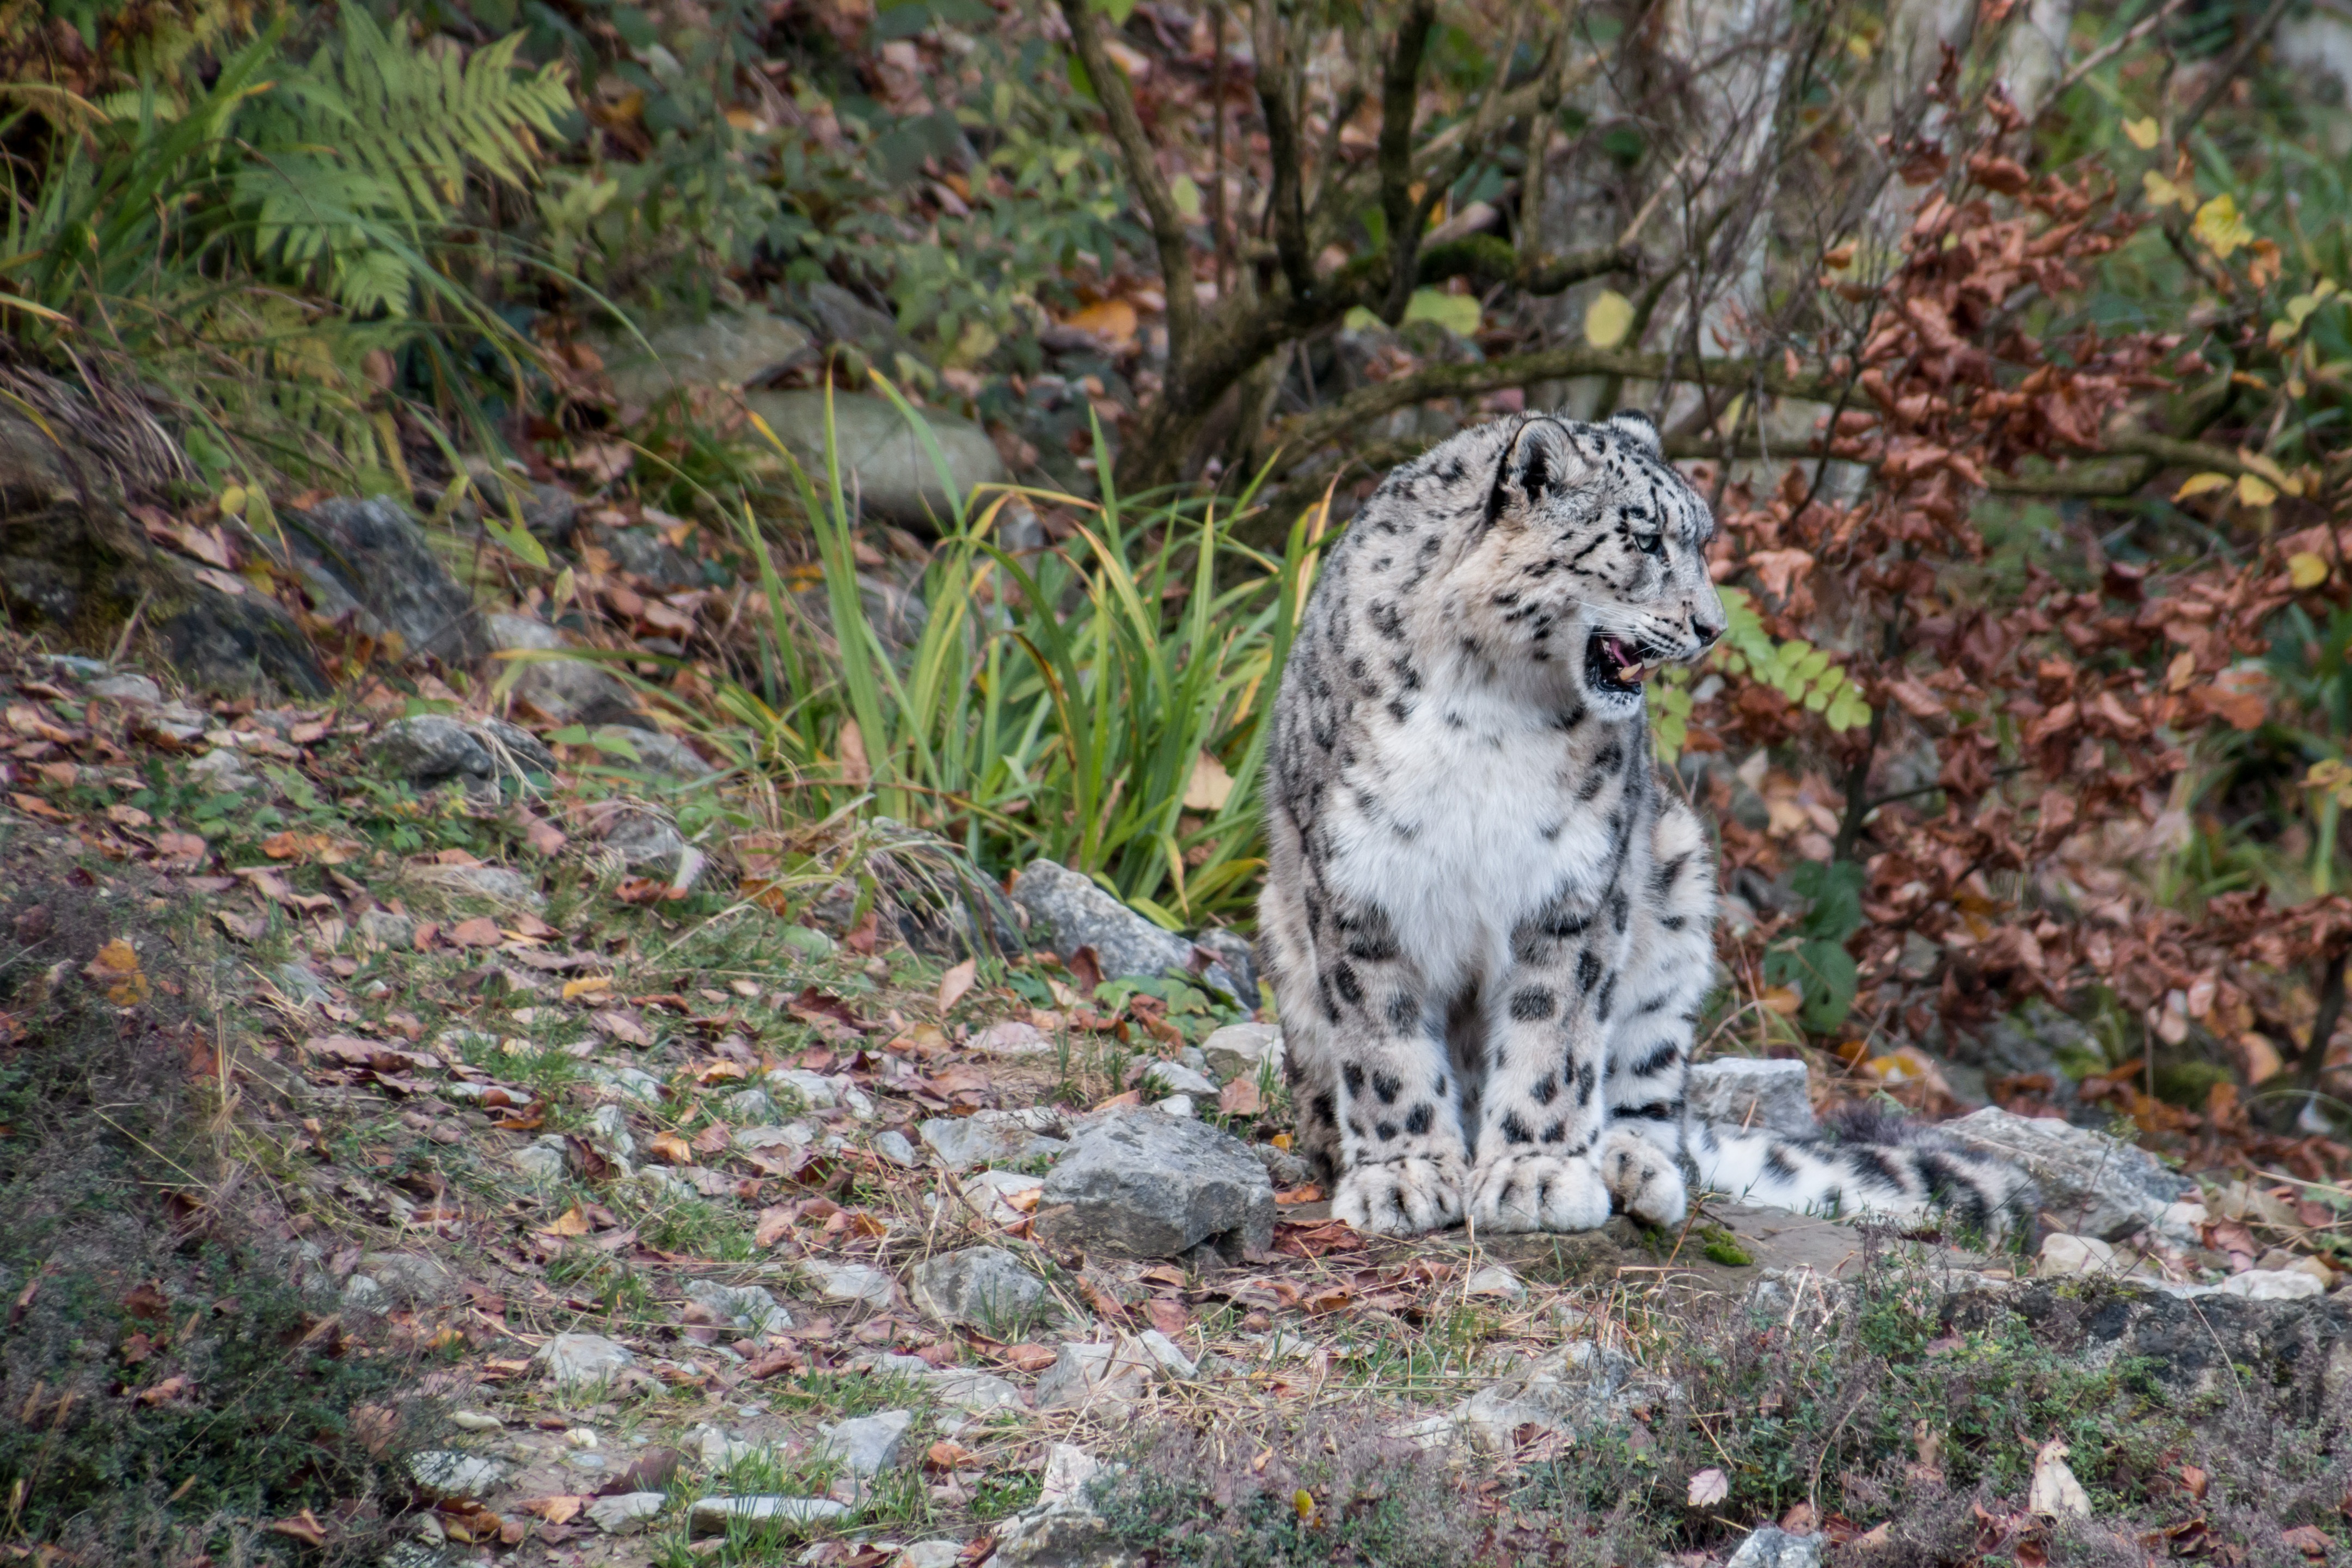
<point>712,1237</point>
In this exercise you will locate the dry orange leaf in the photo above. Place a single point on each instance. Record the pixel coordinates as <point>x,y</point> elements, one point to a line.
<point>560,1509</point>
<point>586,986</point>
<point>671,1149</point>
<point>116,971</point>
<point>956,983</point>
<point>480,931</point>
<point>1113,321</point>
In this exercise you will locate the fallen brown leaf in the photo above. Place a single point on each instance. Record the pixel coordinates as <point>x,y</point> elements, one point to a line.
<point>303,1527</point>
<point>957,983</point>
<point>480,931</point>
<point>1240,1098</point>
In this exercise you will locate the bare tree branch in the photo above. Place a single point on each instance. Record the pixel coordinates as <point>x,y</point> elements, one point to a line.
<point>1400,90</point>
<point>1143,169</point>
<point>1277,84</point>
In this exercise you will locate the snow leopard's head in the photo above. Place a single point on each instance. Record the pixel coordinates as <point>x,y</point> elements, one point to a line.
<point>1595,554</point>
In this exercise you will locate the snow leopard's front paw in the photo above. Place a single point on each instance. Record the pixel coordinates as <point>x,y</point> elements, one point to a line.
<point>1538,1191</point>
<point>1643,1178</point>
<point>1402,1197</point>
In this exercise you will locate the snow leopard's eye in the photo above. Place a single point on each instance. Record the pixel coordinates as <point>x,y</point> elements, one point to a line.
<point>1652,545</point>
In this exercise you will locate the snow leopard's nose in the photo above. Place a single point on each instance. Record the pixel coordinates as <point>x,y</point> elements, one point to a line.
<point>1708,632</point>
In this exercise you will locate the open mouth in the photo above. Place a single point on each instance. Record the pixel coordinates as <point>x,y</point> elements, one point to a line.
<point>1611,665</point>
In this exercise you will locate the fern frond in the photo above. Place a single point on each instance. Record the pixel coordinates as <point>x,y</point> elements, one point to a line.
<point>367,148</point>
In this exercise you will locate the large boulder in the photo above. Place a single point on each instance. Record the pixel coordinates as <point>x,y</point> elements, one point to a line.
<point>560,688</point>
<point>1146,1185</point>
<point>1079,914</point>
<point>76,565</point>
<point>724,350</point>
<point>369,559</point>
<point>885,468</point>
<point>2092,1184</point>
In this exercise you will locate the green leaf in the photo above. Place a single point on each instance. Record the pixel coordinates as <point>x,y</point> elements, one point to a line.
<point>1836,889</point>
<point>1457,313</point>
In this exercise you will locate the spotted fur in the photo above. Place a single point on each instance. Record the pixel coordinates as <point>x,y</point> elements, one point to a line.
<point>1488,926</point>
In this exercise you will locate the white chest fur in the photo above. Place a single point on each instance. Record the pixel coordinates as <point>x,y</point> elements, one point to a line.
<point>1465,819</point>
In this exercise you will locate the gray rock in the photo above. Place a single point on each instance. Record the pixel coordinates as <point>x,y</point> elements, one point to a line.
<point>841,316</point>
<point>1064,1535</point>
<point>973,1391</point>
<point>1773,1547</point>
<point>539,1160</point>
<point>981,1285</point>
<point>1175,1078</point>
<point>1741,1091</point>
<point>225,768</point>
<point>1577,1388</point>
<point>412,1279</point>
<point>128,690</point>
<point>893,1146</point>
<point>647,842</point>
<point>76,565</point>
<point>884,465</point>
<point>870,1444</point>
<point>814,1091</point>
<point>562,689</point>
<point>2091,1183</point>
<point>1010,1037</point>
<point>432,749</point>
<point>1079,914</point>
<point>712,1515</point>
<point>644,554</point>
<point>362,1294</point>
<point>626,1513</point>
<point>548,511</point>
<point>1282,1168</point>
<point>994,1135</point>
<point>1168,1355</point>
<point>499,884</point>
<point>300,983</point>
<point>929,1554</point>
<point>1152,1187</point>
<point>385,928</point>
<point>443,1473</point>
<point>370,558</point>
<point>656,753</point>
<point>849,1282</point>
<point>725,348</point>
<point>577,1358</point>
<point>791,1135</point>
<point>1242,1050</point>
<point>1233,951</point>
<point>748,1307</point>
<point>170,724</point>
<point>1095,1376</point>
<point>752,1105</point>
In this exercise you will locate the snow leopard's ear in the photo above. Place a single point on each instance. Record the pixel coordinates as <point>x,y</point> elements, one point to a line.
<point>1637,428</point>
<point>1540,460</point>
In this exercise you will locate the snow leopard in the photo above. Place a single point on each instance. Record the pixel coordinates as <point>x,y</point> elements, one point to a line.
<point>1487,921</point>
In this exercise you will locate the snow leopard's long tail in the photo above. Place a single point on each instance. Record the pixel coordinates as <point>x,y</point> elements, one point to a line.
<point>1874,1166</point>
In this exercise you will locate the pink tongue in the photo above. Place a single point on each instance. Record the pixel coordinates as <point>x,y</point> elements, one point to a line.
<point>1628,669</point>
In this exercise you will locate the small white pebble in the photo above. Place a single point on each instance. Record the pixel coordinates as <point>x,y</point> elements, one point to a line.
<point>475,1421</point>
<point>580,1437</point>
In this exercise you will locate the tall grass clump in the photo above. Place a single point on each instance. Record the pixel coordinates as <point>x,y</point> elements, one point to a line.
<point>1102,702</point>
